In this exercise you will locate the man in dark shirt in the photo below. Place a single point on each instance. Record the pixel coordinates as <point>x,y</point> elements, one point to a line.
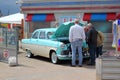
<point>92,43</point>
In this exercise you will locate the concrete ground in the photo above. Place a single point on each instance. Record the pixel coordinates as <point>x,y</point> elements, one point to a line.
<point>39,68</point>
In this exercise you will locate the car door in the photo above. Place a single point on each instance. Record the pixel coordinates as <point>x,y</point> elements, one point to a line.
<point>33,42</point>
<point>42,44</point>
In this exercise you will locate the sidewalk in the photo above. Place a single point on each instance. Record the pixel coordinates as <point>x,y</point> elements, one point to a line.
<point>39,68</point>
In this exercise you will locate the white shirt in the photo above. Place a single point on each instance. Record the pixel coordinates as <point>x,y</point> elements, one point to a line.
<point>76,32</point>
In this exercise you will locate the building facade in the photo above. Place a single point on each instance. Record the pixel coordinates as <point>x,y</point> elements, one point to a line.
<point>51,13</point>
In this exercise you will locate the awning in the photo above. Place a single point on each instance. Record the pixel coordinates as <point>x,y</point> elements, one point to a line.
<point>40,17</point>
<point>12,19</point>
<point>99,16</point>
<point>118,16</point>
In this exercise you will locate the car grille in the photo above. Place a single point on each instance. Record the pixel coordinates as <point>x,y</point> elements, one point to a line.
<point>66,52</point>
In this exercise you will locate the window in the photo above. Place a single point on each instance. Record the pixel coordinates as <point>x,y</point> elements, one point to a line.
<point>35,35</point>
<point>105,27</point>
<point>42,35</point>
<point>49,34</point>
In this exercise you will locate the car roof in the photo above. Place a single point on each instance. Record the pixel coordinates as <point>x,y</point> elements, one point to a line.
<point>47,29</point>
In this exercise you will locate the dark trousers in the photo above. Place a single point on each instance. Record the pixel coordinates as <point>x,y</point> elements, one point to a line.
<point>92,51</point>
<point>99,51</point>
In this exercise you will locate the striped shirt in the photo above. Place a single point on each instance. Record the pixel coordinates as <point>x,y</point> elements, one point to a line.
<point>76,32</point>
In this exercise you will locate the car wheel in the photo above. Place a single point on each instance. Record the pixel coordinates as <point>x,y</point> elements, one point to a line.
<point>54,58</point>
<point>29,54</point>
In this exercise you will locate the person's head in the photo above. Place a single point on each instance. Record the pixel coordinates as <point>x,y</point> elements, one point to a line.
<point>76,21</point>
<point>89,25</point>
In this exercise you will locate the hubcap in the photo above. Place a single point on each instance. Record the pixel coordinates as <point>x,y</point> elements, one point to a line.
<point>28,54</point>
<point>54,57</point>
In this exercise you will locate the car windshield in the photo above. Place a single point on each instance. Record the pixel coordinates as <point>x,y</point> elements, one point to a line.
<point>49,34</point>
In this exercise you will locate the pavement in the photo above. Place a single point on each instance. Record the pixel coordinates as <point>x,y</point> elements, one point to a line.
<point>40,68</point>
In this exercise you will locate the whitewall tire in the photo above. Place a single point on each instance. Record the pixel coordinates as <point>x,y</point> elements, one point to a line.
<point>54,58</point>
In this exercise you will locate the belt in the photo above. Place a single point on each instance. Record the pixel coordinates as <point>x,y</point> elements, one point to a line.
<point>78,40</point>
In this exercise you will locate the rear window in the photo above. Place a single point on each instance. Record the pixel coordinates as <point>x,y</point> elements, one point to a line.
<point>42,35</point>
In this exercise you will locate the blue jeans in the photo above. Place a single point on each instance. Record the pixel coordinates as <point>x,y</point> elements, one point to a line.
<point>77,45</point>
<point>92,51</point>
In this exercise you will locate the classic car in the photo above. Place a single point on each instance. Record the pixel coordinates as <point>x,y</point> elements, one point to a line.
<point>52,43</point>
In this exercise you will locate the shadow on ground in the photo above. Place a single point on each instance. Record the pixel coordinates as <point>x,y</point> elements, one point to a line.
<point>66,63</point>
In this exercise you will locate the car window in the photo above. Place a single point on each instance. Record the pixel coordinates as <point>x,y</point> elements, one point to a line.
<point>42,35</point>
<point>35,35</point>
<point>49,34</point>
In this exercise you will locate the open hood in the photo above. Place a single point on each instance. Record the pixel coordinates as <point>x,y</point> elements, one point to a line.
<point>63,30</point>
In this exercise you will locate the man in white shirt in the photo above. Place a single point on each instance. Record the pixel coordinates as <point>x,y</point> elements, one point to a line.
<point>76,37</point>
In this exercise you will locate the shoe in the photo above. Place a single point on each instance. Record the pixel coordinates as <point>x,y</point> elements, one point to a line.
<point>73,65</point>
<point>90,64</point>
<point>79,65</point>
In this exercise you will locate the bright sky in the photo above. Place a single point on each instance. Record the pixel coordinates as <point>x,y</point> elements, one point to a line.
<point>9,7</point>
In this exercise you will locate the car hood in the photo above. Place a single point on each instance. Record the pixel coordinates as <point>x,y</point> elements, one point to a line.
<point>63,30</point>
